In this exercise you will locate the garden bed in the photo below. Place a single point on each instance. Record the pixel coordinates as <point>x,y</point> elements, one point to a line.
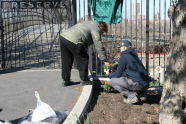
<point>108,108</point>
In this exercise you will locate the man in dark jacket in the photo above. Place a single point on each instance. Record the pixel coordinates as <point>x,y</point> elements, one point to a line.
<point>130,78</point>
<point>74,43</point>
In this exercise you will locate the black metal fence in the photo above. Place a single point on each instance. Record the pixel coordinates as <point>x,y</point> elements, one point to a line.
<point>146,24</point>
<point>30,30</point>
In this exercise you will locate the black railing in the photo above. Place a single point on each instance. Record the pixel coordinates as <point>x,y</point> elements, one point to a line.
<point>29,32</point>
<point>146,24</point>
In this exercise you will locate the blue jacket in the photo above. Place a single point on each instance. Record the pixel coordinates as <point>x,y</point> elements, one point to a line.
<point>130,66</point>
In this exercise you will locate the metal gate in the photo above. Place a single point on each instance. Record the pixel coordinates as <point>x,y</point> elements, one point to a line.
<point>30,30</point>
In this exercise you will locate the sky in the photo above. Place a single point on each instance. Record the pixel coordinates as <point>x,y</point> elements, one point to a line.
<point>159,5</point>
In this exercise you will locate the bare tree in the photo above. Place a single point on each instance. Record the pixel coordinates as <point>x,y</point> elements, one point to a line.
<point>173,101</point>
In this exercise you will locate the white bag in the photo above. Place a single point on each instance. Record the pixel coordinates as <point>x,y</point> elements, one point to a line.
<point>42,110</point>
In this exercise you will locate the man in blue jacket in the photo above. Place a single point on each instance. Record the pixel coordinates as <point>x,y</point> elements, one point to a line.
<point>131,77</point>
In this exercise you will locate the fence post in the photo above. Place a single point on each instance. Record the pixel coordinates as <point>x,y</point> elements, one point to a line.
<point>74,11</point>
<point>90,50</point>
<point>147,35</point>
<point>2,40</point>
<point>89,9</point>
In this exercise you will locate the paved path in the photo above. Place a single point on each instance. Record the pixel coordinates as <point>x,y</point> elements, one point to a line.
<point>17,92</point>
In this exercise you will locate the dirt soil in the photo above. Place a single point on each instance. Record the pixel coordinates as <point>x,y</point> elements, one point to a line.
<point>108,108</point>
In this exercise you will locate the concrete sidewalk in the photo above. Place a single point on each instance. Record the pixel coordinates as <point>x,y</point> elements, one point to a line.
<point>17,92</point>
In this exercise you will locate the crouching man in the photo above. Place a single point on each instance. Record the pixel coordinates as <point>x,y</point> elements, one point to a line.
<point>130,78</point>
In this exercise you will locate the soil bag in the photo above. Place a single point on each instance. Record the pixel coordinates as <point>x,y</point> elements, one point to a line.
<point>42,110</point>
<point>43,114</point>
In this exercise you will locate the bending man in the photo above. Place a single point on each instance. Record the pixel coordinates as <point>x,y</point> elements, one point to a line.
<point>74,43</point>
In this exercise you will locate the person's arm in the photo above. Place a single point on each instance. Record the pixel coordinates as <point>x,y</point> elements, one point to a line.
<point>96,37</point>
<point>120,68</point>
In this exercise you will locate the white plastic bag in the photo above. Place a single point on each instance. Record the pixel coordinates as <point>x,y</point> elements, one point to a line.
<point>60,117</point>
<point>42,110</point>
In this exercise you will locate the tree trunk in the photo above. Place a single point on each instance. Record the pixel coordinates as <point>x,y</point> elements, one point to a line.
<point>173,101</point>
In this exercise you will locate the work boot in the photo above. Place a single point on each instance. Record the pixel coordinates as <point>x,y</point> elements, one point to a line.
<point>67,83</point>
<point>131,99</point>
<point>143,97</point>
<point>86,83</point>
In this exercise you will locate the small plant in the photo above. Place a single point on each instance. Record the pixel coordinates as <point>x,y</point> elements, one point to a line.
<point>74,119</point>
<point>107,87</point>
<point>93,73</point>
<point>155,84</point>
<point>87,120</point>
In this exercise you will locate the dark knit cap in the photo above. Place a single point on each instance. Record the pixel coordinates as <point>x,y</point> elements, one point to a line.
<point>126,43</point>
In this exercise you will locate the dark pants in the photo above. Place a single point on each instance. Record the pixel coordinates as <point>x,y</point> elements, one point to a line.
<point>127,87</point>
<point>69,52</point>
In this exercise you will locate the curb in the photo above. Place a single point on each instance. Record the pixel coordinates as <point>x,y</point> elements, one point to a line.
<point>80,107</point>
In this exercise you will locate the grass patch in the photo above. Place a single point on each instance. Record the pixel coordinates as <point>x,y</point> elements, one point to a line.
<point>156,84</point>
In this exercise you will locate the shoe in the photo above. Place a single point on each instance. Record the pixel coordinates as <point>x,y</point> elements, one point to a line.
<point>131,99</point>
<point>143,97</point>
<point>85,83</point>
<point>67,83</point>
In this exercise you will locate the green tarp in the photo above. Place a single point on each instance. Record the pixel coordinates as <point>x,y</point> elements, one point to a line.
<point>108,11</point>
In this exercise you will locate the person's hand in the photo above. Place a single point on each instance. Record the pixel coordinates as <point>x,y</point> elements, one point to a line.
<point>107,72</point>
<point>107,64</point>
<point>105,82</point>
<point>106,68</point>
